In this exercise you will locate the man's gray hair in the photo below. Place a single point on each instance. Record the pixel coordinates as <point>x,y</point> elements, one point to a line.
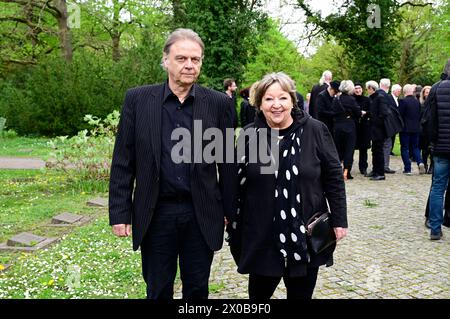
<point>372,84</point>
<point>396,87</point>
<point>347,87</point>
<point>327,76</point>
<point>385,83</point>
<point>181,34</point>
<point>408,89</point>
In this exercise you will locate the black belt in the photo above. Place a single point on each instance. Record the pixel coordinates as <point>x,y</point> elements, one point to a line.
<point>175,198</point>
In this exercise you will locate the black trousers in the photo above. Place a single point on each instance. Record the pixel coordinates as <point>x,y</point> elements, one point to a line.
<point>174,234</point>
<point>378,157</point>
<point>363,159</point>
<point>345,144</point>
<point>263,287</point>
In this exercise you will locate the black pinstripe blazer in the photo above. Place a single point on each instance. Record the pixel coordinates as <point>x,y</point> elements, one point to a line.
<point>135,168</point>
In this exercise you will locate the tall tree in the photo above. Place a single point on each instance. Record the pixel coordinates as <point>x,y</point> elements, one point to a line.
<point>275,53</point>
<point>118,17</point>
<point>32,14</point>
<point>366,29</point>
<point>230,31</point>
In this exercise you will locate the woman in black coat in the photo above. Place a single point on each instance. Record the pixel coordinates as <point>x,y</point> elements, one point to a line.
<point>247,112</point>
<point>346,113</point>
<point>267,236</point>
<point>362,128</point>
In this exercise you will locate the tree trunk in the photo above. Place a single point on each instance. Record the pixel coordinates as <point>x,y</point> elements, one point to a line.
<point>116,47</point>
<point>65,36</point>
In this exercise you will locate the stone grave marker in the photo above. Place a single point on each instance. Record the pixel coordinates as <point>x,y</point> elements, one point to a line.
<point>68,219</point>
<point>26,242</point>
<point>98,202</point>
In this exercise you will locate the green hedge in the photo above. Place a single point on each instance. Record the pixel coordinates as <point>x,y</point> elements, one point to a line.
<point>52,98</point>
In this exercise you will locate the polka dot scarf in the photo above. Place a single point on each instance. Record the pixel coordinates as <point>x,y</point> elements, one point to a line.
<point>289,228</point>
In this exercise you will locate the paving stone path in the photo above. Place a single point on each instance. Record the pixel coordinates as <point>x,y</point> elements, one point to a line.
<point>387,253</point>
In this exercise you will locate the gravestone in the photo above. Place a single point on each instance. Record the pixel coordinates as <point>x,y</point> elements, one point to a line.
<point>26,242</point>
<point>67,219</point>
<point>98,202</point>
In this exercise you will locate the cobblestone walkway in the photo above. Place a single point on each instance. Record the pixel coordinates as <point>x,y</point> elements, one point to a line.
<point>387,253</point>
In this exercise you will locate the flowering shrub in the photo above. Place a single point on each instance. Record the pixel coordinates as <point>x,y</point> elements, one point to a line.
<point>87,155</point>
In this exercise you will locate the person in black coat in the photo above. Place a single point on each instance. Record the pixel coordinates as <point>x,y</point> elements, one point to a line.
<point>346,113</point>
<point>300,101</point>
<point>248,111</point>
<point>172,202</point>
<point>324,105</point>
<point>409,137</point>
<point>378,111</point>
<point>230,87</point>
<point>268,235</point>
<point>362,128</point>
<point>424,143</point>
<point>324,82</point>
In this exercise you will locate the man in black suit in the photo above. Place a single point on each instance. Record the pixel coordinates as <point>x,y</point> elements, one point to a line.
<point>324,82</point>
<point>172,200</point>
<point>378,111</point>
<point>230,88</point>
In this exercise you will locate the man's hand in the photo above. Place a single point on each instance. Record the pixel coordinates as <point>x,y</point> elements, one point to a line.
<point>340,232</point>
<point>121,230</point>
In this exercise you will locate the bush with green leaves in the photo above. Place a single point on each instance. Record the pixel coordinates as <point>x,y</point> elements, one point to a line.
<point>87,155</point>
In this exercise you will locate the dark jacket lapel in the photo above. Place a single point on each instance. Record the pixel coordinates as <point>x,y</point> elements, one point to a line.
<point>199,114</point>
<point>154,109</point>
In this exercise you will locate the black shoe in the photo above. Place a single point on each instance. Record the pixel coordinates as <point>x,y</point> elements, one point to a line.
<point>377,178</point>
<point>392,154</point>
<point>363,172</point>
<point>369,174</point>
<point>389,171</point>
<point>427,223</point>
<point>436,236</point>
<point>430,170</point>
<point>349,176</point>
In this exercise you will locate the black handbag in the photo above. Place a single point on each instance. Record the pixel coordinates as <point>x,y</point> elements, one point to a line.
<point>319,232</point>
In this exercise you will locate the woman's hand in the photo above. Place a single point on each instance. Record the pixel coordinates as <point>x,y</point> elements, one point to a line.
<point>340,232</point>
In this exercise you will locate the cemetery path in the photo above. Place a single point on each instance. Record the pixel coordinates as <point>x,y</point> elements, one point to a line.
<point>387,253</point>
<point>21,163</point>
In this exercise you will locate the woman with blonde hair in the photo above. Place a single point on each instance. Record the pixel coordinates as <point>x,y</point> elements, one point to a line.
<point>268,236</point>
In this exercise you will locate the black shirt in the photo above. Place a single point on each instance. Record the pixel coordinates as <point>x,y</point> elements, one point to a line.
<point>175,177</point>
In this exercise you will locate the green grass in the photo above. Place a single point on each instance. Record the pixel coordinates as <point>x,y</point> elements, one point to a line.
<point>396,149</point>
<point>215,288</point>
<point>369,203</point>
<point>24,147</point>
<point>88,263</point>
<point>30,198</point>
